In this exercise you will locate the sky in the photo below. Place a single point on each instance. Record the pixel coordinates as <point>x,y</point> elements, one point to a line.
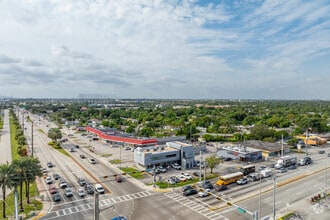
<point>165,49</point>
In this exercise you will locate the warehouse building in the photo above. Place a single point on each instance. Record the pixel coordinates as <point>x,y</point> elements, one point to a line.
<point>164,155</point>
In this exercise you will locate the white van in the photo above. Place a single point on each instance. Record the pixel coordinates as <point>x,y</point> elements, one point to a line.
<point>99,188</point>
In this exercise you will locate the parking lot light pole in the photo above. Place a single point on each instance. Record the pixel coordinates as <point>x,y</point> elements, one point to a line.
<point>274,191</point>
<point>259,208</point>
<point>200,166</point>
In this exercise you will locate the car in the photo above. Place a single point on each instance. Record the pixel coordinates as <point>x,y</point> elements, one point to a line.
<point>187,176</point>
<point>81,192</point>
<point>99,188</point>
<point>272,165</point>
<point>56,176</point>
<point>321,151</point>
<point>219,188</point>
<point>128,148</point>
<point>72,149</point>
<point>50,164</point>
<point>63,184</point>
<point>44,171</point>
<point>89,189</point>
<point>207,186</point>
<point>118,178</point>
<point>187,187</point>
<point>57,197</point>
<point>82,156</point>
<point>262,168</point>
<point>119,218</point>
<point>197,173</point>
<point>292,167</point>
<point>242,181</point>
<point>190,192</point>
<point>161,169</point>
<point>92,160</point>
<point>328,154</point>
<point>153,171</point>
<point>49,180</point>
<point>182,178</point>
<point>204,193</point>
<point>174,178</point>
<point>171,181</point>
<point>81,181</point>
<point>52,190</point>
<point>200,184</point>
<point>76,146</point>
<point>282,170</point>
<point>68,192</point>
<point>176,166</point>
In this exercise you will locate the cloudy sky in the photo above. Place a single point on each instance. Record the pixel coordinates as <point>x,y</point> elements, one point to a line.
<point>220,49</point>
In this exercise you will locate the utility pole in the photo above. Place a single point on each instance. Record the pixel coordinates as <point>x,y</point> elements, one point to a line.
<point>282,146</point>
<point>96,207</point>
<point>32,137</point>
<point>306,144</point>
<point>259,208</point>
<point>200,166</point>
<point>16,203</point>
<point>325,174</point>
<point>274,191</point>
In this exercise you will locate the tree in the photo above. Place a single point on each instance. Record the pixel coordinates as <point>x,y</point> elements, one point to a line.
<point>20,174</point>
<point>54,134</point>
<point>6,180</point>
<point>213,161</point>
<point>34,169</point>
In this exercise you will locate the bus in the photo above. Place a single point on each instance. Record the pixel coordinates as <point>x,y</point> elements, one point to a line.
<point>229,178</point>
<point>248,169</point>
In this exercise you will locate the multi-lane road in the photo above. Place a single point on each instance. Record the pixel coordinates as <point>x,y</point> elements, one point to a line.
<point>137,201</point>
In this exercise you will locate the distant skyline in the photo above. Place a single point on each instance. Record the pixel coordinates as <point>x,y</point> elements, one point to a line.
<point>165,49</point>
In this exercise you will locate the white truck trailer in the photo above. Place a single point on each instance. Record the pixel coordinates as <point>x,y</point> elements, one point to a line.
<point>286,161</point>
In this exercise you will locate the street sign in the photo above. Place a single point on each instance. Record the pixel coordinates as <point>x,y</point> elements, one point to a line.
<point>241,210</point>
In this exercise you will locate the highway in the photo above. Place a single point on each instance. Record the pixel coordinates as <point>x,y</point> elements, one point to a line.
<point>136,201</point>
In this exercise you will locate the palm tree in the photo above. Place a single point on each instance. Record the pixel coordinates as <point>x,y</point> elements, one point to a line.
<point>6,180</point>
<point>20,175</point>
<point>34,169</point>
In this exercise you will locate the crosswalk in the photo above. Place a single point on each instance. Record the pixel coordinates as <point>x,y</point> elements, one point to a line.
<point>198,206</point>
<point>90,205</point>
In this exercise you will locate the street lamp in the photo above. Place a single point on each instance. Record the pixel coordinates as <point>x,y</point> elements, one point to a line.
<point>274,191</point>
<point>259,208</point>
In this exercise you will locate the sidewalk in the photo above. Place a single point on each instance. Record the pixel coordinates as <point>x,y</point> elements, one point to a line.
<point>5,144</point>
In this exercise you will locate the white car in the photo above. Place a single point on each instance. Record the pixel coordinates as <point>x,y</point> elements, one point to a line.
<point>176,166</point>
<point>187,176</point>
<point>99,188</point>
<point>81,192</point>
<point>68,192</point>
<point>182,178</point>
<point>92,160</point>
<point>49,180</point>
<point>204,193</point>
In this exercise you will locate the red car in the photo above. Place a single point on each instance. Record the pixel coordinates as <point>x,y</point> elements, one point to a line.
<point>52,190</point>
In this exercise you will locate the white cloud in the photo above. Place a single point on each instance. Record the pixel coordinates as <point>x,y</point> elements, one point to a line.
<point>156,48</point>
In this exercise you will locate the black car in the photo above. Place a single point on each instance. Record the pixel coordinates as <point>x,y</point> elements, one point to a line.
<point>220,188</point>
<point>57,197</point>
<point>292,167</point>
<point>50,164</point>
<point>321,152</point>
<point>207,186</point>
<point>56,176</point>
<point>89,189</point>
<point>190,192</point>
<point>82,156</point>
<point>197,173</point>
<point>187,187</point>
